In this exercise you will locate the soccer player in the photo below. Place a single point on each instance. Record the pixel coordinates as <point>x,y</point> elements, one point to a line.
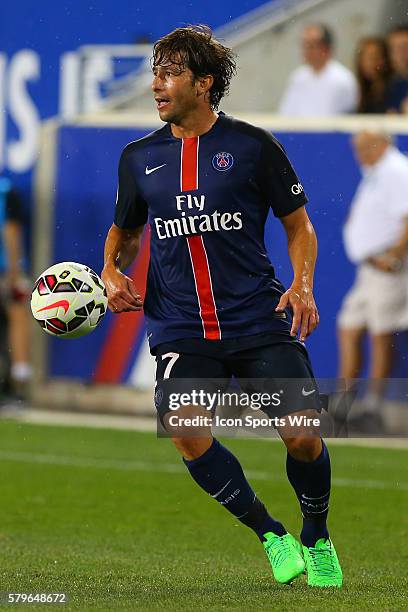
<point>205,182</point>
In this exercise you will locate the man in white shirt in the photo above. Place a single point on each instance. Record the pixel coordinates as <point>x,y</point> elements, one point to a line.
<point>322,86</point>
<point>376,240</point>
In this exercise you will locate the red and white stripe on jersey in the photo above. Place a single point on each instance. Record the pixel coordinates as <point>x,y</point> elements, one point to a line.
<point>189,163</point>
<point>202,279</point>
<point>198,255</point>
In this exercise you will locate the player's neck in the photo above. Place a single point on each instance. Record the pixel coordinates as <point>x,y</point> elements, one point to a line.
<point>195,124</point>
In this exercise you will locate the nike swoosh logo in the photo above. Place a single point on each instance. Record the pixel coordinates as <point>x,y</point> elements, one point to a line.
<point>306,393</point>
<point>150,170</point>
<point>63,303</point>
<point>221,490</point>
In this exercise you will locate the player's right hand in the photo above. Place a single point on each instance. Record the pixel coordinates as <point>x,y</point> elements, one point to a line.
<point>122,293</point>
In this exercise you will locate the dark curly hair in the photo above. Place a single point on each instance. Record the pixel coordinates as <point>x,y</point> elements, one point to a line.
<point>194,47</point>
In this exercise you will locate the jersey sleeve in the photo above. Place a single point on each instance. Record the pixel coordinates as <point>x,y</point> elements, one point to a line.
<point>278,182</point>
<point>131,209</point>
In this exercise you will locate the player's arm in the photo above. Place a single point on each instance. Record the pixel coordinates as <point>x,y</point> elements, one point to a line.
<point>123,240</point>
<point>121,248</point>
<point>302,247</point>
<point>284,193</point>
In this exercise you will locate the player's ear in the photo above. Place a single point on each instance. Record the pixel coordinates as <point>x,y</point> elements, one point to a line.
<point>204,84</point>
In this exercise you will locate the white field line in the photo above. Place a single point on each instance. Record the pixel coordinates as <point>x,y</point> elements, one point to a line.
<point>146,424</point>
<point>172,468</point>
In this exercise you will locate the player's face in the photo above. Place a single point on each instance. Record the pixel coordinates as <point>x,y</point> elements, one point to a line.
<point>174,90</point>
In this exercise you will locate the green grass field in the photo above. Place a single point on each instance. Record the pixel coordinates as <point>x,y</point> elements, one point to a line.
<point>113,519</point>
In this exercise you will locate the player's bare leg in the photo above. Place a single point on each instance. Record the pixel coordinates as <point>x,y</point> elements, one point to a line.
<point>191,442</point>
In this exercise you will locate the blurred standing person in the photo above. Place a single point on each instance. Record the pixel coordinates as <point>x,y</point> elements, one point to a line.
<point>14,295</point>
<point>373,75</point>
<point>397,41</point>
<point>322,86</point>
<point>376,240</point>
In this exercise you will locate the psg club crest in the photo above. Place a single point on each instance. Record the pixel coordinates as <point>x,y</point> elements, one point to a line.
<point>222,161</point>
<point>158,397</point>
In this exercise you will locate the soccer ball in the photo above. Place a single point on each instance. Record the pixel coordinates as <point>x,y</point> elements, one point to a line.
<point>68,300</point>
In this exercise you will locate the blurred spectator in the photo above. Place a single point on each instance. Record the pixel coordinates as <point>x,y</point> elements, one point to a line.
<point>14,291</point>
<point>376,240</point>
<point>398,50</point>
<point>322,86</point>
<point>373,75</point>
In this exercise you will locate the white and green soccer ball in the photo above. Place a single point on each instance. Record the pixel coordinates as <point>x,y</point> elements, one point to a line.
<point>68,300</point>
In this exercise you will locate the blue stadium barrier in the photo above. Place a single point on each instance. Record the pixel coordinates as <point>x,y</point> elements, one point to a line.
<point>86,181</point>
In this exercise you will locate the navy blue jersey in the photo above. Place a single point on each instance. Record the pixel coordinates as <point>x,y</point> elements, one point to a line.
<point>206,200</point>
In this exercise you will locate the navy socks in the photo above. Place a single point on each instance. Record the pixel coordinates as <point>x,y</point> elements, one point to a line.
<point>220,474</point>
<point>311,482</point>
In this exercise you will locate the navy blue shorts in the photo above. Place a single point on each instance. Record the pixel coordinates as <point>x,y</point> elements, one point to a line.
<point>280,366</point>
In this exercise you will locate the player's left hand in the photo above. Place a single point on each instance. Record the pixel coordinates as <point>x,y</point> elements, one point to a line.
<point>305,314</point>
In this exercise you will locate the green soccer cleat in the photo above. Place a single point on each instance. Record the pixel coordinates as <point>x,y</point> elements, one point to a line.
<point>322,565</point>
<point>284,554</point>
